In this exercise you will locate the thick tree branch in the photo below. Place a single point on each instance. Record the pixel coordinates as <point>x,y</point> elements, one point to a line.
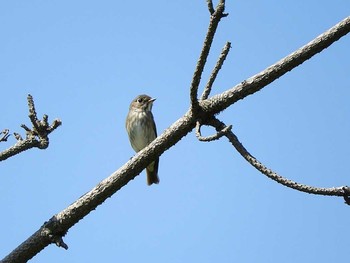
<point>35,137</point>
<point>59,224</point>
<point>333,191</point>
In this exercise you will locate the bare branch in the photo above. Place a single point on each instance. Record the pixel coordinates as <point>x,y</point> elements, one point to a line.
<point>88,202</point>
<point>35,137</point>
<point>255,83</point>
<point>18,136</point>
<point>216,70</point>
<point>5,135</point>
<point>334,191</point>
<point>61,222</point>
<point>214,137</point>
<point>214,21</point>
<point>32,113</point>
<point>210,7</point>
<point>54,125</point>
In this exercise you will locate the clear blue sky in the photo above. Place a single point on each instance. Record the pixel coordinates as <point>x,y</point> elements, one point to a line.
<point>84,61</point>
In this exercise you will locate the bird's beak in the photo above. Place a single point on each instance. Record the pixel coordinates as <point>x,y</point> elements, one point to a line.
<point>151,100</point>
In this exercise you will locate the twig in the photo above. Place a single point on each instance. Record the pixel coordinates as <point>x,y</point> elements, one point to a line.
<point>18,136</point>
<point>343,191</point>
<point>210,7</point>
<point>35,137</point>
<point>5,135</point>
<point>32,114</point>
<point>213,137</point>
<point>216,70</point>
<point>214,21</point>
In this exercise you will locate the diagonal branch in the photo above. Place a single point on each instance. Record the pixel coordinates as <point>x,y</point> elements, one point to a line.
<point>343,191</point>
<point>35,137</point>
<point>255,83</point>
<point>216,70</point>
<point>64,220</point>
<point>59,224</point>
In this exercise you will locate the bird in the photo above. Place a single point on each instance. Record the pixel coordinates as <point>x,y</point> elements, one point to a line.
<point>142,130</point>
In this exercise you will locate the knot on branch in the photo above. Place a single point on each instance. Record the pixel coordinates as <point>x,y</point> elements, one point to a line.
<point>53,232</point>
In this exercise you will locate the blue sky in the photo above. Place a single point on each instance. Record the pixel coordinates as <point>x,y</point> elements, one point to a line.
<point>84,61</point>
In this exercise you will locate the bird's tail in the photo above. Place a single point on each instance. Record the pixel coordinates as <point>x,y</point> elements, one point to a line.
<point>152,173</point>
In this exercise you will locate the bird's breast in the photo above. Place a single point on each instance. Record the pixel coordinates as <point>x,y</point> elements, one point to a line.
<point>141,131</point>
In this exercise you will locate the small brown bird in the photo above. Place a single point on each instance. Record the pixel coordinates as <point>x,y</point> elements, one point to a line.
<point>142,131</point>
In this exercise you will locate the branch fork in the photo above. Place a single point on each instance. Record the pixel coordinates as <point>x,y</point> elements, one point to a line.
<point>215,18</point>
<point>54,233</point>
<point>37,136</point>
<point>201,112</point>
<point>204,117</point>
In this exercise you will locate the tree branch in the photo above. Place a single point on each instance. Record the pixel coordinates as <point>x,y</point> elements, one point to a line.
<point>255,83</point>
<point>214,21</point>
<point>342,191</point>
<point>35,137</point>
<point>214,137</point>
<point>61,222</point>
<point>210,7</point>
<point>216,70</point>
<point>5,135</point>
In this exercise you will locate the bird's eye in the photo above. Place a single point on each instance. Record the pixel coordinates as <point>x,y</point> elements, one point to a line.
<point>139,100</point>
